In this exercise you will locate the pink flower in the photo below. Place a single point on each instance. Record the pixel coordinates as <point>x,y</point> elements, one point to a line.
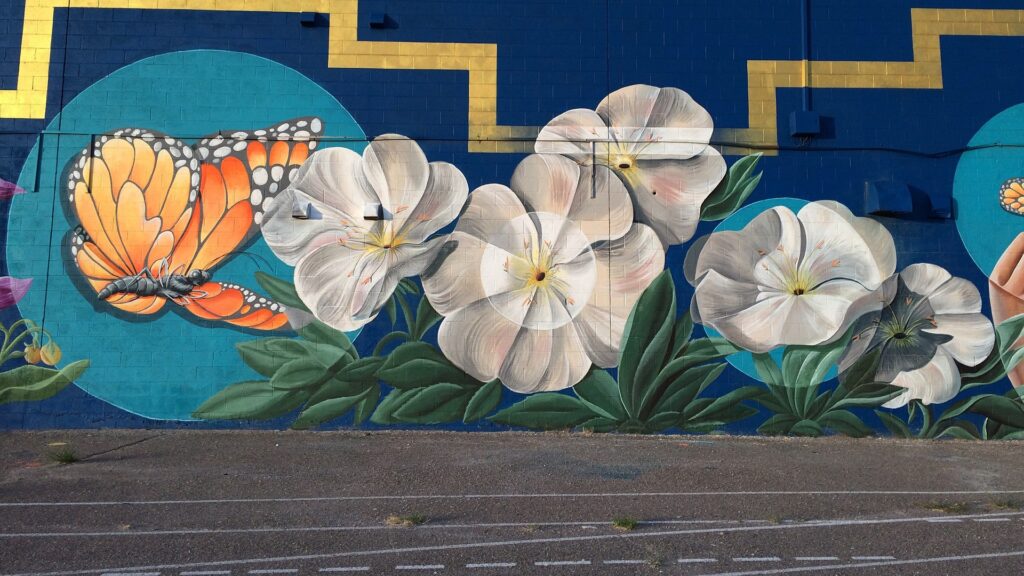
<point>12,290</point>
<point>9,190</point>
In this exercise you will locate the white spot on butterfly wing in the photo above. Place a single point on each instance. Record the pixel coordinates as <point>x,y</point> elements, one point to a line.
<point>259,176</point>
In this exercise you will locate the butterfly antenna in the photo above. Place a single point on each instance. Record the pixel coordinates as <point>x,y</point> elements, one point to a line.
<point>257,258</point>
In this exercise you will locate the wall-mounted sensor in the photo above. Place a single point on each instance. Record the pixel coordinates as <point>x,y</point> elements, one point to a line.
<point>302,210</point>
<point>373,211</point>
<point>308,19</point>
<point>378,20</point>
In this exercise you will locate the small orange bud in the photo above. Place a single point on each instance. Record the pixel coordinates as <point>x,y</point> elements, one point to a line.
<point>32,354</point>
<point>50,354</point>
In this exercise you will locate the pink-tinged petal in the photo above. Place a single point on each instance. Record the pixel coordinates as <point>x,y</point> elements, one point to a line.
<point>571,134</point>
<point>934,383</point>
<point>669,193</point>
<point>657,123</point>
<point>544,361</point>
<point>12,290</point>
<point>9,190</point>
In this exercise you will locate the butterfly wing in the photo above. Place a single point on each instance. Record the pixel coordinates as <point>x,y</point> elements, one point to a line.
<point>236,305</point>
<point>133,193</point>
<point>1011,196</point>
<point>271,156</point>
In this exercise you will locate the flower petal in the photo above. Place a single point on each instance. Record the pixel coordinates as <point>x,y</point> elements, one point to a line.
<point>544,360</point>
<point>973,336</point>
<point>841,245</point>
<point>736,254</point>
<point>592,197</point>
<point>571,134</point>
<point>489,210</point>
<point>477,339</point>
<point>445,194</point>
<point>396,169</point>
<point>666,122</point>
<point>292,238</point>
<point>955,296</point>
<point>334,282</point>
<point>625,268</point>
<point>669,193</point>
<point>403,261</point>
<point>333,178</point>
<point>456,280</point>
<point>935,383</point>
<point>12,290</point>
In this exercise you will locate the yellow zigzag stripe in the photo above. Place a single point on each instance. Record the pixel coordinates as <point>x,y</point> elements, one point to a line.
<point>28,100</point>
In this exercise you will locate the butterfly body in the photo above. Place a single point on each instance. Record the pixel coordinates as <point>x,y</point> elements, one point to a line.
<point>157,216</point>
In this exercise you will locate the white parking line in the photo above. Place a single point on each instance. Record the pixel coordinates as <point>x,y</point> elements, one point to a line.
<point>562,563</point>
<point>131,574</point>
<point>991,519</point>
<point>275,571</point>
<point>492,565</point>
<point>696,560</point>
<point>872,558</point>
<point>815,558</point>
<point>569,495</point>
<point>346,569</point>
<point>757,559</point>
<point>420,567</point>
<point>624,562</point>
<point>818,525</point>
<point>861,565</point>
<point>206,573</point>
<point>947,520</point>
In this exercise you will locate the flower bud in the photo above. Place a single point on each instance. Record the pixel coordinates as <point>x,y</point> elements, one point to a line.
<point>50,353</point>
<point>32,354</point>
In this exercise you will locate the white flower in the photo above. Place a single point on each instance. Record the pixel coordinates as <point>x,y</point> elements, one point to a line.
<point>537,281</point>
<point>656,140</point>
<point>346,267</point>
<point>790,278</point>
<point>929,322</point>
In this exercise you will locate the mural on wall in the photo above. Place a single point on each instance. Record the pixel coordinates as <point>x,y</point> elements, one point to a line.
<point>394,295</point>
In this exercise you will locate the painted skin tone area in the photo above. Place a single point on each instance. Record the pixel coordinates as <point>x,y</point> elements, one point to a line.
<point>1006,292</point>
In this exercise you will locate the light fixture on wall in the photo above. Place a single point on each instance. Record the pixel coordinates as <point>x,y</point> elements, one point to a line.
<point>373,211</point>
<point>378,20</point>
<point>304,210</point>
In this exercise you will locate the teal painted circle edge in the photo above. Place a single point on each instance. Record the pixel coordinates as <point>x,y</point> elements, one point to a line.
<point>984,227</point>
<point>182,363</point>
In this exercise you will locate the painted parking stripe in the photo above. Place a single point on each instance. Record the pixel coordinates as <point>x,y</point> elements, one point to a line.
<point>757,559</point>
<point>645,535</point>
<point>562,563</point>
<point>131,574</point>
<point>696,560</point>
<point>492,565</point>
<point>821,568</point>
<point>275,571</point>
<point>624,561</point>
<point>871,558</point>
<point>420,567</point>
<point>815,558</point>
<point>946,520</point>
<point>346,569</point>
<point>991,519</point>
<point>206,573</point>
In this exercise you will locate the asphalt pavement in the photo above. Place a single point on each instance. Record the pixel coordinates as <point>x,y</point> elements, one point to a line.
<point>188,503</point>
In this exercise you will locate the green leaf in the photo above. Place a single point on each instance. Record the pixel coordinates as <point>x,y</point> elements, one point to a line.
<point>727,403</point>
<point>866,395</point>
<point>545,411</point>
<point>361,370</point>
<point>365,407</point>
<point>681,333</point>
<point>645,342</point>
<point>1000,409</point>
<point>317,414</point>
<point>958,432</point>
<point>808,428</point>
<point>320,333</point>
<point>599,391</point>
<point>733,190</point>
<point>767,370</point>
<point>436,404</point>
<point>599,424</point>
<point>30,383</point>
<point>708,349</point>
<point>485,399</point>
<point>299,373</point>
<point>426,317</point>
<point>267,355</point>
<point>845,422</point>
<point>807,366</point>
<point>338,388</point>
<point>895,425</point>
<point>662,421</point>
<point>778,424</point>
<point>280,290</point>
<point>385,411</point>
<point>418,364</point>
<point>255,400</point>
<point>392,310</point>
<point>687,385</point>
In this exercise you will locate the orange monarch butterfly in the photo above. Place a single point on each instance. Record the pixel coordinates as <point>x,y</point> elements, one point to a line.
<point>1011,196</point>
<point>157,216</point>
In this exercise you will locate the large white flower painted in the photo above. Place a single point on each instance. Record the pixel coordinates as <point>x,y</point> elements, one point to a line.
<point>656,141</point>
<point>929,322</point>
<point>537,281</point>
<point>347,267</point>
<point>790,278</point>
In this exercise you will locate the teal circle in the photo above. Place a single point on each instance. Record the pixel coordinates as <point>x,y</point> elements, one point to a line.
<point>160,367</point>
<point>985,228</point>
<point>744,361</point>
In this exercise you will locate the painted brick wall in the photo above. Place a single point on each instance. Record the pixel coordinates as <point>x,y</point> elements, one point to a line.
<point>902,88</point>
